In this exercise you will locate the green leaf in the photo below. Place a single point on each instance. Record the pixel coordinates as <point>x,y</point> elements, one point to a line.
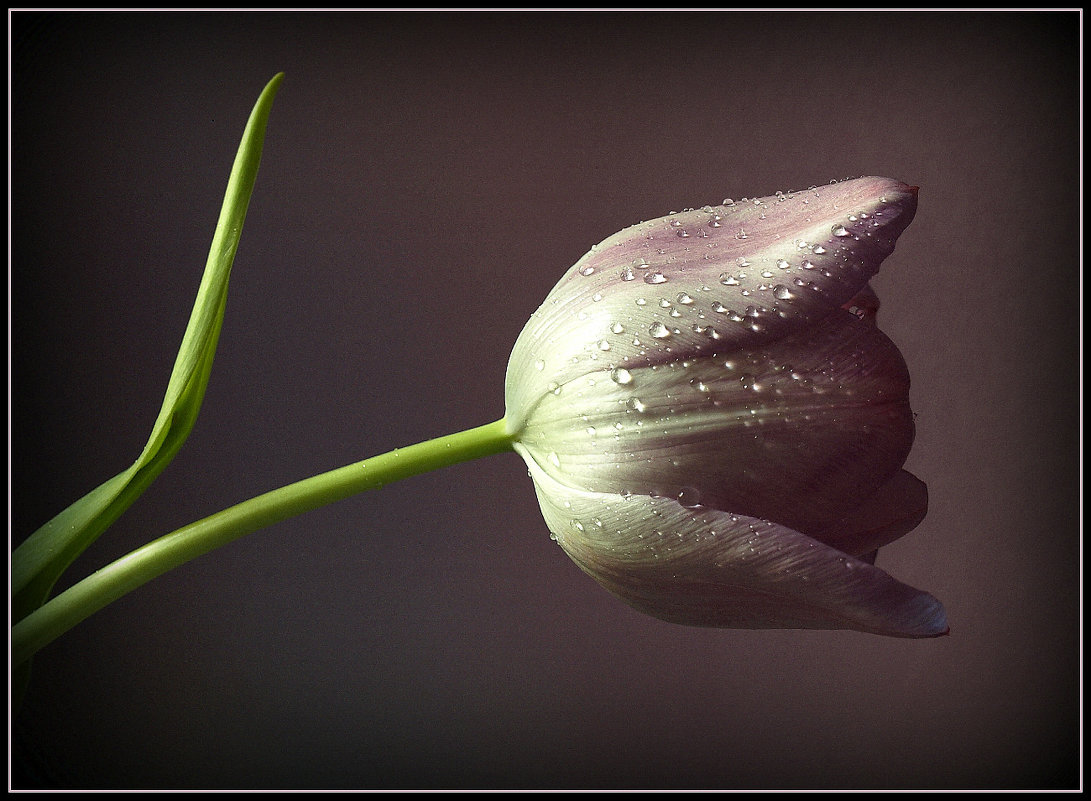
<point>40,560</point>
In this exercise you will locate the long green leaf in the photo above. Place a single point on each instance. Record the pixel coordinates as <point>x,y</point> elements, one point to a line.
<point>41,559</point>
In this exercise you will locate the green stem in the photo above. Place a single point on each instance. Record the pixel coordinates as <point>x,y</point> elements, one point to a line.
<point>103,587</point>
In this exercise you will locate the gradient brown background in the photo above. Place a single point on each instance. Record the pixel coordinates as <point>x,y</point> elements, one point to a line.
<point>426,179</point>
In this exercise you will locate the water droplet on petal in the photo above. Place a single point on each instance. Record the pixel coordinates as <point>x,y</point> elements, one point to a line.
<point>587,270</point>
<point>659,331</point>
<point>689,497</point>
<point>635,405</point>
<point>539,364</point>
<point>728,280</point>
<point>627,274</point>
<point>619,375</point>
<point>781,292</point>
<point>655,277</point>
<point>617,328</point>
<point>840,230</point>
<point>684,298</point>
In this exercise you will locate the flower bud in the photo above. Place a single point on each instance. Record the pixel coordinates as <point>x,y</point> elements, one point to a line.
<point>713,422</point>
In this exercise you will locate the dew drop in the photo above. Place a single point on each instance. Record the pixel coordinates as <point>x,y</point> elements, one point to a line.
<point>689,497</point>
<point>783,264</point>
<point>840,230</point>
<point>603,345</point>
<point>617,328</point>
<point>635,405</point>
<point>684,298</point>
<point>728,280</point>
<point>587,270</point>
<point>659,331</point>
<point>818,249</point>
<point>619,375</point>
<point>539,364</point>
<point>781,292</point>
<point>627,274</point>
<point>655,278</point>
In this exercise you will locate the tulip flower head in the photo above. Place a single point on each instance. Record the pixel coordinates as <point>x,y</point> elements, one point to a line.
<point>715,426</point>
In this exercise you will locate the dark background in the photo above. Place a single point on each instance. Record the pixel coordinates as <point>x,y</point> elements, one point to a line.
<point>427,178</point>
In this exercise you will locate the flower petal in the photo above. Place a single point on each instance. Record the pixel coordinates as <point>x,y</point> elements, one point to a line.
<point>697,282</point>
<point>798,432</point>
<point>702,567</point>
<point>889,513</point>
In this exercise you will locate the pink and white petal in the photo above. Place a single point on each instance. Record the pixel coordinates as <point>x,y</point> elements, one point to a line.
<point>798,432</point>
<point>656,291</point>
<point>703,567</point>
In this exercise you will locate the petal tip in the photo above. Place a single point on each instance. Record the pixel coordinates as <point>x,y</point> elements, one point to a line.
<point>932,622</point>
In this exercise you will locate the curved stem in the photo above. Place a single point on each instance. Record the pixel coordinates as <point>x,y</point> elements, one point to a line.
<point>157,557</point>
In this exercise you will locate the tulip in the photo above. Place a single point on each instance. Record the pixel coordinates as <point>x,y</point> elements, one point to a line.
<point>714,425</point>
<point>713,422</point>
